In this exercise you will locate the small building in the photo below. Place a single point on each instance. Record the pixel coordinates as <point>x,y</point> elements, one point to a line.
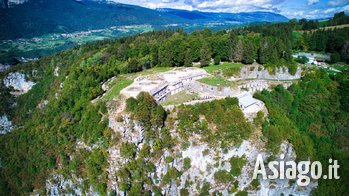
<point>246,101</point>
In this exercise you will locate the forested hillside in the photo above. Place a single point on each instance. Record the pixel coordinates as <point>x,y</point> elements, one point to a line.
<point>313,115</point>
<point>45,139</point>
<point>36,18</point>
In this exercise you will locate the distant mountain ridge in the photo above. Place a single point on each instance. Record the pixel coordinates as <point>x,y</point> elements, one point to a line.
<point>223,16</point>
<point>32,18</point>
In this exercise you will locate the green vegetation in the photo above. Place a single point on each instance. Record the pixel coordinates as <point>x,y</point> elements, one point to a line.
<point>223,177</point>
<point>179,98</point>
<point>229,121</point>
<point>302,59</point>
<point>237,164</point>
<point>119,84</point>
<point>51,43</point>
<point>313,116</point>
<point>223,66</point>
<point>338,19</point>
<point>325,41</point>
<point>187,163</point>
<point>340,67</point>
<point>145,110</point>
<point>215,81</point>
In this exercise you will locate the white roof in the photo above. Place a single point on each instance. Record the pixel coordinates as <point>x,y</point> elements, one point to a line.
<point>154,82</point>
<point>247,100</point>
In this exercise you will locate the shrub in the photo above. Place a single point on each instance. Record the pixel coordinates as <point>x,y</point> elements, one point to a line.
<point>187,163</point>
<point>237,163</point>
<point>223,177</point>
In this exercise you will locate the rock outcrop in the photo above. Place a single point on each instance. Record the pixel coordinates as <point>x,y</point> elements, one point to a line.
<point>18,82</point>
<point>259,72</point>
<point>5,125</point>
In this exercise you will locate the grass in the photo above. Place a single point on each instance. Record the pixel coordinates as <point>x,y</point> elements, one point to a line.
<point>215,81</point>
<point>155,70</point>
<point>340,67</point>
<point>221,67</point>
<point>330,71</point>
<point>323,23</point>
<point>179,98</point>
<point>126,80</point>
<point>120,83</point>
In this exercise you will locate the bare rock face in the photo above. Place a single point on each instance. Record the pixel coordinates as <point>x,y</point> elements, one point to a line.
<point>58,185</point>
<point>18,82</point>
<point>15,2</point>
<point>10,3</point>
<point>259,72</point>
<point>5,125</point>
<point>3,67</point>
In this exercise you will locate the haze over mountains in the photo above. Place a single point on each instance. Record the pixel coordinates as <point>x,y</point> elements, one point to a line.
<point>25,19</point>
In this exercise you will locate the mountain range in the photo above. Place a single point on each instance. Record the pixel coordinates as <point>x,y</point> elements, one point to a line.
<point>30,18</point>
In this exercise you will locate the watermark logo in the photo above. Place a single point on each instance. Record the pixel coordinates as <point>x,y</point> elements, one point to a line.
<point>303,171</point>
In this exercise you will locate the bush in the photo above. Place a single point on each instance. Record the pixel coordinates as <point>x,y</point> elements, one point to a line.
<point>237,164</point>
<point>217,60</point>
<point>302,59</point>
<point>187,163</point>
<point>169,159</point>
<point>335,57</point>
<point>223,177</point>
<point>128,150</point>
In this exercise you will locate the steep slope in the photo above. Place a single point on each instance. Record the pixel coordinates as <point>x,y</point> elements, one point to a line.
<point>41,17</point>
<point>36,17</point>
<point>62,128</point>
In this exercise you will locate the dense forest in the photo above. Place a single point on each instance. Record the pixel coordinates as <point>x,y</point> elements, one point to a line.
<point>45,138</point>
<point>313,116</point>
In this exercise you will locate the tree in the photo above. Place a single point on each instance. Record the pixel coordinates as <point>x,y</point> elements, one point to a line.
<point>238,51</point>
<point>217,60</point>
<point>187,163</point>
<point>248,52</point>
<point>127,150</point>
<point>133,66</point>
<point>335,57</point>
<point>188,61</point>
<point>205,56</point>
<point>302,59</point>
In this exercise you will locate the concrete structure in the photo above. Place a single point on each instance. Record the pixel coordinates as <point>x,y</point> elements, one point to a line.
<point>162,85</point>
<point>249,105</point>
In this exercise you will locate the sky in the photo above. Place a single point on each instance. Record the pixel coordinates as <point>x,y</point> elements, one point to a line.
<point>311,9</point>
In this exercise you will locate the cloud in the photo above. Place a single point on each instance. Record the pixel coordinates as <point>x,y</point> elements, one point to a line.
<point>235,6</point>
<point>310,9</point>
<point>169,1</point>
<point>331,10</point>
<point>338,2</point>
<point>312,2</point>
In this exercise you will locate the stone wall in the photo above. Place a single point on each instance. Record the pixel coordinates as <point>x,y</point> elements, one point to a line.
<point>212,90</point>
<point>259,72</point>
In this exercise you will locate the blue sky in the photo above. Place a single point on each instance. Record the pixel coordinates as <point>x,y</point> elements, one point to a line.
<point>292,8</point>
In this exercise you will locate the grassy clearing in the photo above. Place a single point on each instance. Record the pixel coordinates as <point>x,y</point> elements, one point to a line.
<point>224,66</point>
<point>326,28</point>
<point>341,67</point>
<point>120,83</point>
<point>179,98</point>
<point>125,80</point>
<point>323,23</point>
<point>215,81</point>
<point>155,70</point>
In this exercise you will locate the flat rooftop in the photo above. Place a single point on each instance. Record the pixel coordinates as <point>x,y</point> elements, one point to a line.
<point>247,100</point>
<point>154,82</point>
